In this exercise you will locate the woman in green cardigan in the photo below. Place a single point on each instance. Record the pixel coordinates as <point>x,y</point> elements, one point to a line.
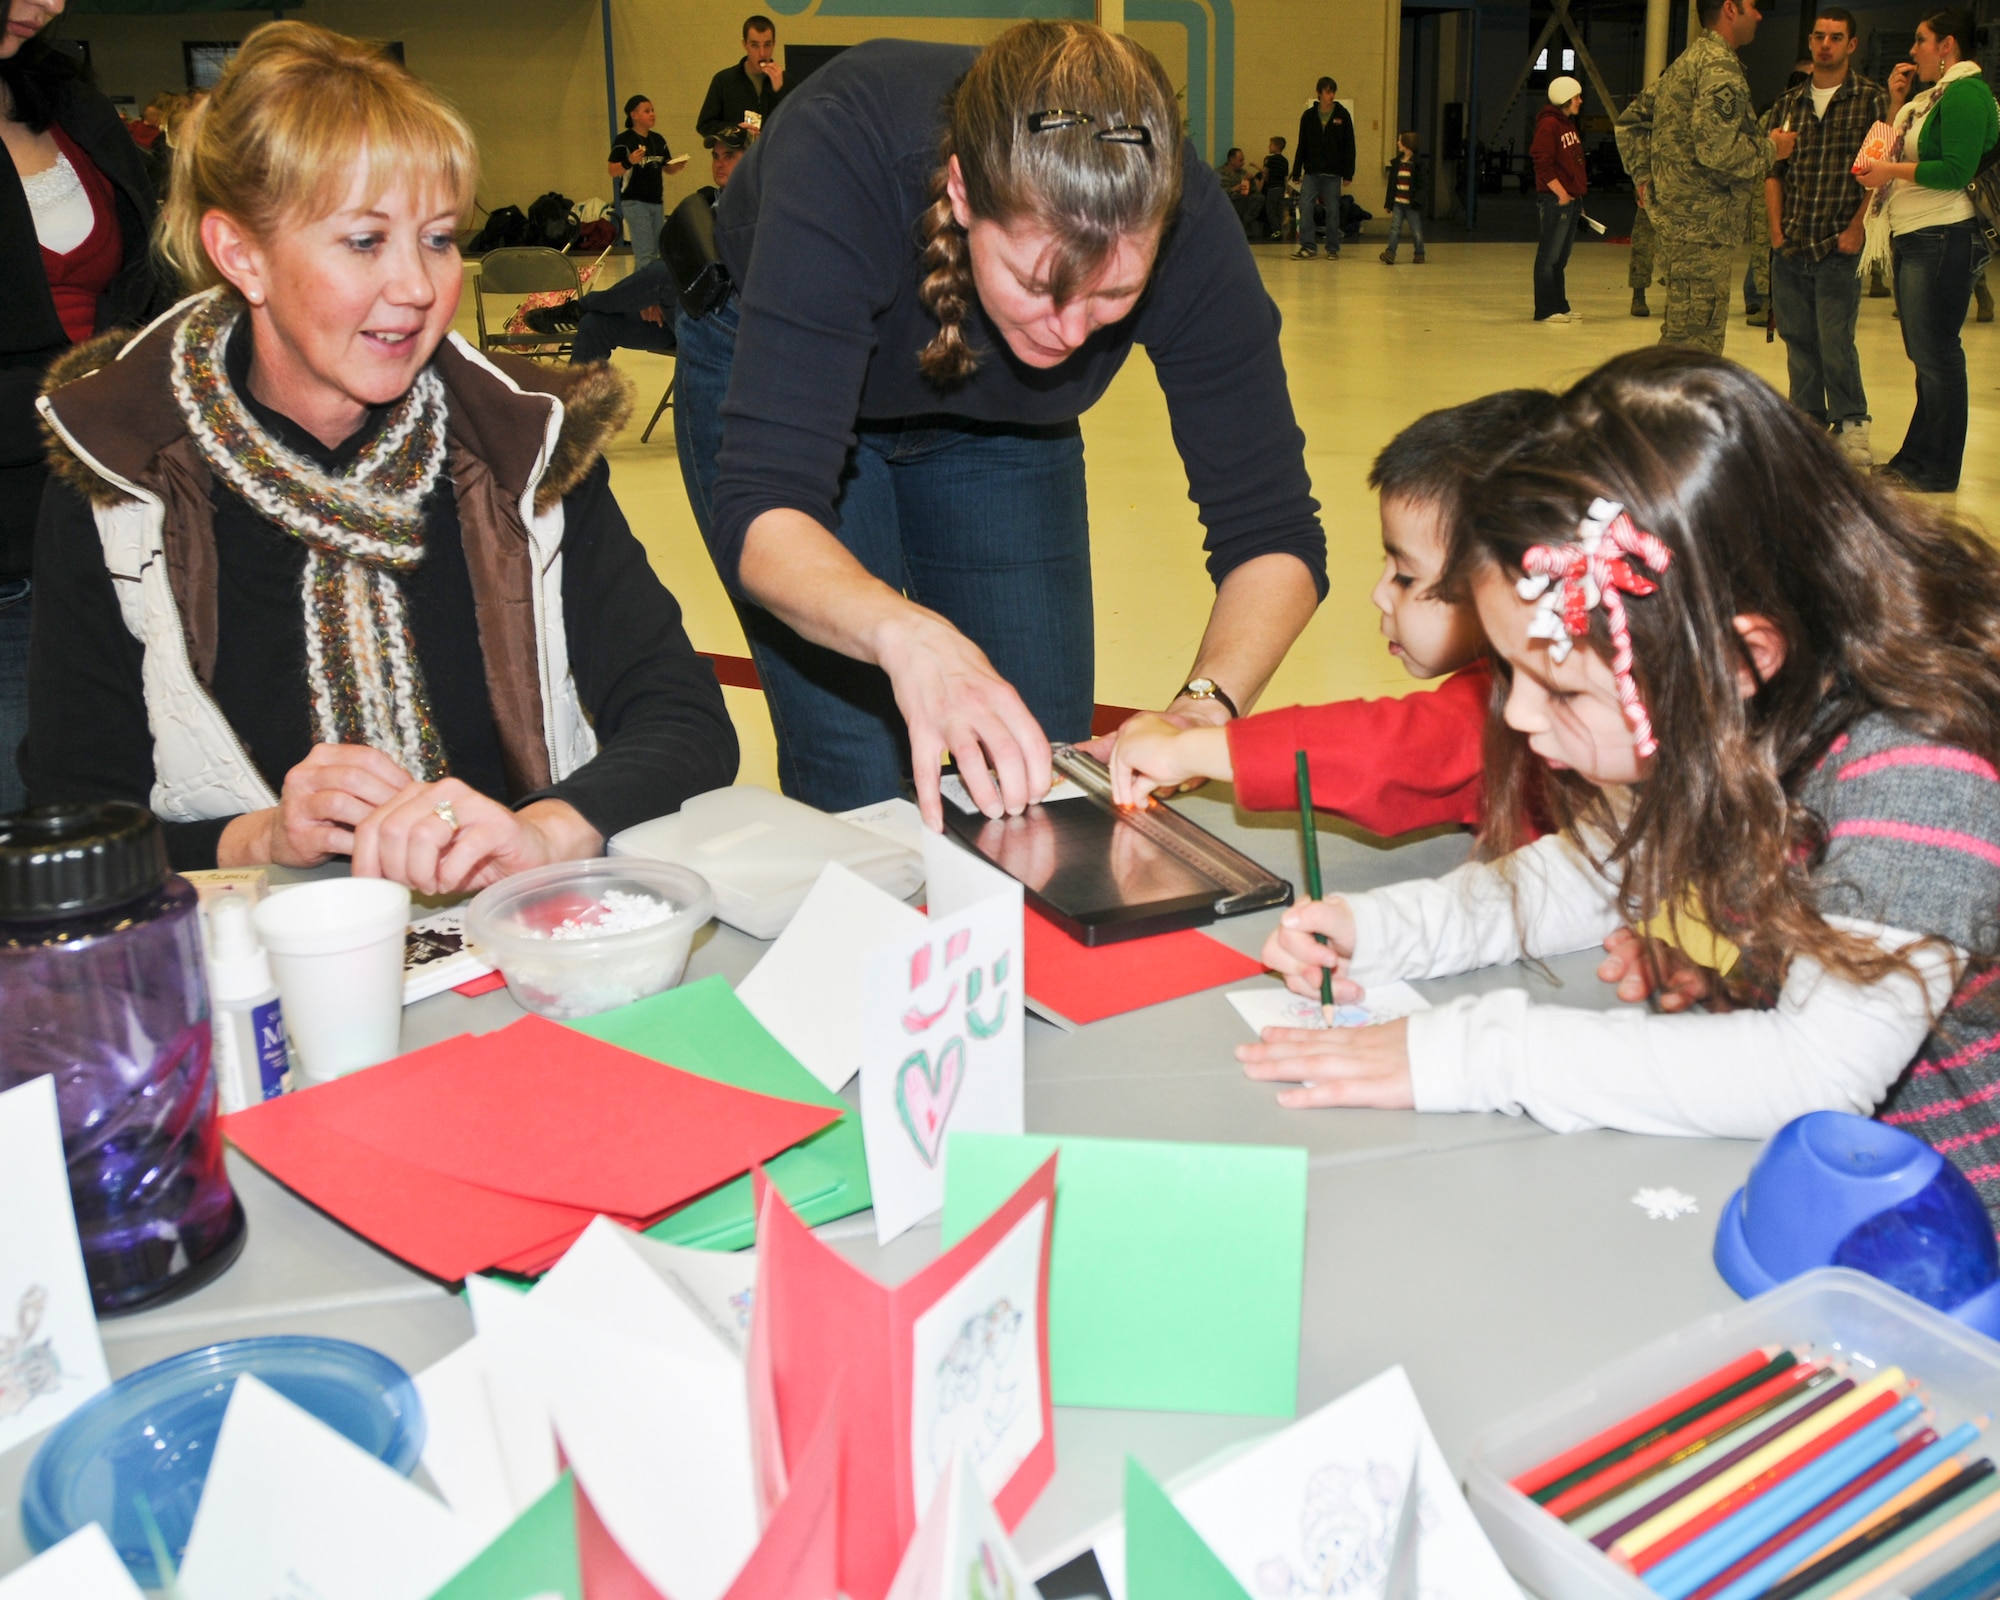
<point>1922,218</point>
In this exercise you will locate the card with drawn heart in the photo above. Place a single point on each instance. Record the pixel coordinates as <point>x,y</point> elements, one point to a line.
<point>941,1034</point>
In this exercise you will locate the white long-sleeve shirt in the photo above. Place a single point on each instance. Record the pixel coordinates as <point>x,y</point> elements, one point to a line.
<point>1825,1045</point>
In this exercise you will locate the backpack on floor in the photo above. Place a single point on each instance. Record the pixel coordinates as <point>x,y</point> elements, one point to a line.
<point>505,228</point>
<point>552,222</point>
<point>599,234</point>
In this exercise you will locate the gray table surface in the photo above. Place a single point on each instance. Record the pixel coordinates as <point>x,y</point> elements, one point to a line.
<point>1495,1261</point>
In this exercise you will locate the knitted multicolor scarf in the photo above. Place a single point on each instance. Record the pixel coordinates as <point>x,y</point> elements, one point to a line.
<point>360,527</point>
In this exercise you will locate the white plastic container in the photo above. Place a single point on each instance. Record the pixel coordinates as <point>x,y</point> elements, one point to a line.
<point>1837,1311</point>
<point>761,853</point>
<point>536,925</point>
<point>336,949</point>
<point>246,1017</point>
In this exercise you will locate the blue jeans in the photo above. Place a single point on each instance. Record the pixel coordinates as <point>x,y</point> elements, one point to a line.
<point>609,318</point>
<point>1401,216</point>
<point>1558,224</point>
<point>13,689</point>
<point>644,219</point>
<point>1934,272</point>
<point>1325,188</point>
<point>1817,304</point>
<point>986,524</point>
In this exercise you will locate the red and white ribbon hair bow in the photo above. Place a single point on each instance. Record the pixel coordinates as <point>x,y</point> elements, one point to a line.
<point>1572,580</point>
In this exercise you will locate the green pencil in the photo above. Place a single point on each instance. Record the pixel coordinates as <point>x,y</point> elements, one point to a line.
<point>1309,843</point>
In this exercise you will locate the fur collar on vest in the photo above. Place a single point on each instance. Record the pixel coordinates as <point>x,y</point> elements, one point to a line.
<point>112,393</point>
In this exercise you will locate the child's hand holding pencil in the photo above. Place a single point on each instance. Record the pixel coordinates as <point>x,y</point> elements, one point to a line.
<point>1314,937</point>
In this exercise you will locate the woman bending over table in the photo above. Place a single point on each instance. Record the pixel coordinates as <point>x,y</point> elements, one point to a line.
<point>315,578</point>
<point>942,258</point>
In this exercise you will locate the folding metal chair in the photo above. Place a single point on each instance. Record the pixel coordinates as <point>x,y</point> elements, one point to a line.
<point>509,275</point>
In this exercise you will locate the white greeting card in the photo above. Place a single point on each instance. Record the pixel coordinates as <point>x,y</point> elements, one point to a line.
<point>82,1567</point>
<point>1315,1510</point>
<point>51,1359</point>
<point>628,1354</point>
<point>960,1550</point>
<point>294,1511</point>
<point>1280,1008</point>
<point>806,989</point>
<point>941,1034</point>
<point>976,1367</point>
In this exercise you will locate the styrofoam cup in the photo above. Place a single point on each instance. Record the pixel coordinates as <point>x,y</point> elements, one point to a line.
<point>336,951</point>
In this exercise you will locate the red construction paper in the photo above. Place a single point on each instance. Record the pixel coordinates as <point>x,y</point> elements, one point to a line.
<point>797,1557</point>
<point>542,1111</point>
<point>485,983</point>
<point>435,1223</point>
<point>1088,983</point>
<point>823,1329</point>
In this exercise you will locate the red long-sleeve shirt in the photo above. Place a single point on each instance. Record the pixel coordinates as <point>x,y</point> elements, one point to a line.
<point>1389,765</point>
<point>1557,152</point>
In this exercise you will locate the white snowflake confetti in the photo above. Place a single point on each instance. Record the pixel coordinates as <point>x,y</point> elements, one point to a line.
<point>1664,1205</point>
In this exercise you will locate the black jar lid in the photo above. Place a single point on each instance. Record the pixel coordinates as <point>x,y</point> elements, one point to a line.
<point>65,860</point>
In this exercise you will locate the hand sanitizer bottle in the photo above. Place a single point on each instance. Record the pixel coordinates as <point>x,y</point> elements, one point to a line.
<point>246,1022</point>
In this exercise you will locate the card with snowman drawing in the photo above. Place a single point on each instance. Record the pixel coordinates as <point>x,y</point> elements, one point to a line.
<point>51,1359</point>
<point>941,1034</point>
<point>949,1367</point>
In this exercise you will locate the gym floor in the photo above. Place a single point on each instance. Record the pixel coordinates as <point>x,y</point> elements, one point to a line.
<point>1368,349</point>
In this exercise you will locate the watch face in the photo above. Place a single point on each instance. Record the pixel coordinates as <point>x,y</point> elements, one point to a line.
<point>1200,688</point>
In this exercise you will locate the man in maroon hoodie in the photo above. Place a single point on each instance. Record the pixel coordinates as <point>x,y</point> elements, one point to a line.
<point>1560,185</point>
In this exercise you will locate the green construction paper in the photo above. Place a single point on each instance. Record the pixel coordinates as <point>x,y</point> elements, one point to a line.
<point>704,1029</point>
<point>536,1555</point>
<point>1176,1272</point>
<point>1165,1559</point>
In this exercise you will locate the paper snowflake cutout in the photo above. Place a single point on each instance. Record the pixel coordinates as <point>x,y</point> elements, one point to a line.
<point>1664,1205</point>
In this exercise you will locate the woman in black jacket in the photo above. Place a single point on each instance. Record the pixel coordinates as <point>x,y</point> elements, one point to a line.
<point>76,214</point>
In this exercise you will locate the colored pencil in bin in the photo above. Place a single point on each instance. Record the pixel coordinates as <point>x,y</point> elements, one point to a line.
<point>1605,1524</point>
<point>1982,1519</point>
<point>1803,1453</point>
<point>1921,1440</point>
<point>1688,1569</point>
<point>1976,1578</point>
<point>1811,1405</point>
<point>1780,1459</point>
<point>1309,843</point>
<point>1956,1483</point>
<point>1782,1361</point>
<point>1640,1422</point>
<point>1697,1435</point>
<point>1814,1541</point>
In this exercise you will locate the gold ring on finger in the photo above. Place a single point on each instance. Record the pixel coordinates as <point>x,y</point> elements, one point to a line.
<point>443,809</point>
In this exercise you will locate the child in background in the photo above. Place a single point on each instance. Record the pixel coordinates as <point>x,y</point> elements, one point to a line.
<point>1402,199</point>
<point>1760,697</point>
<point>1394,764</point>
<point>1277,174</point>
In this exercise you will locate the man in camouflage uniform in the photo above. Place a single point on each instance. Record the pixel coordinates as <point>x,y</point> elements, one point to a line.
<point>1639,273</point>
<point>1693,147</point>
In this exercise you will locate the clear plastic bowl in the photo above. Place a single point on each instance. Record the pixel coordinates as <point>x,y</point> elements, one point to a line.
<point>514,925</point>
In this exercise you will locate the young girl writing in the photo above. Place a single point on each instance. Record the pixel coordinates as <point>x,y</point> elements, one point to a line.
<point>1763,696</point>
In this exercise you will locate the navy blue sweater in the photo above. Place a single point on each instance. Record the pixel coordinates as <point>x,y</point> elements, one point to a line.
<point>819,226</point>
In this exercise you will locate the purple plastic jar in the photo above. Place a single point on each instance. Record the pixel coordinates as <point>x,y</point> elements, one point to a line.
<point>101,986</point>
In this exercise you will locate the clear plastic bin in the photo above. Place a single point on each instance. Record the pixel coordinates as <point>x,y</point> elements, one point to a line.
<point>1837,1311</point>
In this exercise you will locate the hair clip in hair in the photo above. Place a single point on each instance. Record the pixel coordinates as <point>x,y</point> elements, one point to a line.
<point>1120,133</point>
<point>1572,580</point>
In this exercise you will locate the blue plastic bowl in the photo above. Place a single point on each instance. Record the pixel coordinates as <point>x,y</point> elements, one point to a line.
<point>1835,1190</point>
<point>153,1432</point>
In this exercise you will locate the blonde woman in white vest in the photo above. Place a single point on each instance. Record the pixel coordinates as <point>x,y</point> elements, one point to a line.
<point>321,579</point>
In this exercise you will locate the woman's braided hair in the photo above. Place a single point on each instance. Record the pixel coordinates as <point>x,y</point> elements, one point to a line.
<point>1086,190</point>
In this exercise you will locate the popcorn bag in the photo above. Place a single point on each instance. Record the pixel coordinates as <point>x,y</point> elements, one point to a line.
<point>1876,147</point>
